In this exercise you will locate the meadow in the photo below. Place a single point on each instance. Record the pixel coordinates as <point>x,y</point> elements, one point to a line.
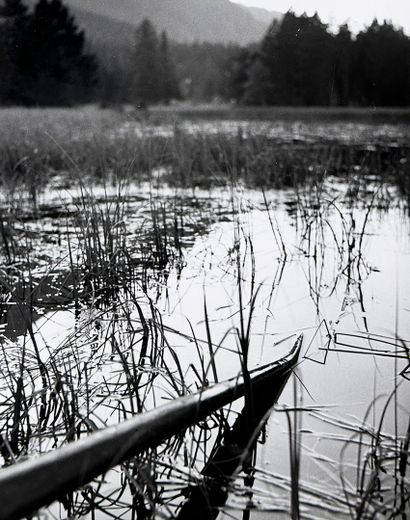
<point>146,255</point>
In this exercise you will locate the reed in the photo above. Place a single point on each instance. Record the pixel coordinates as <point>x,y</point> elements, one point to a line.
<point>39,147</point>
<point>97,211</point>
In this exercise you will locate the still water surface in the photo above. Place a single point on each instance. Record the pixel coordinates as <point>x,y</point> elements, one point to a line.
<point>314,263</point>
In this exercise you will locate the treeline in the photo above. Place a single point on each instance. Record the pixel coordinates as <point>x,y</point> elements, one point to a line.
<point>154,77</point>
<point>300,62</point>
<point>204,69</point>
<point>42,58</point>
<point>200,70</point>
<point>45,60</point>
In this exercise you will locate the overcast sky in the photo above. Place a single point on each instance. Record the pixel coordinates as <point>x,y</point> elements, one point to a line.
<point>357,12</point>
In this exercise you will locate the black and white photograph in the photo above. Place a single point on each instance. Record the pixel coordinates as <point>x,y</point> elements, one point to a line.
<point>204,260</point>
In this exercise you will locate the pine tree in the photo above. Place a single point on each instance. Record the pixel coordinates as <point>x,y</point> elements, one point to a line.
<point>155,78</point>
<point>259,86</point>
<point>343,65</point>
<point>298,55</point>
<point>59,70</point>
<point>14,43</point>
<point>381,66</point>
<point>316,61</point>
<point>238,73</point>
<point>167,78</point>
<point>147,57</point>
<point>279,54</point>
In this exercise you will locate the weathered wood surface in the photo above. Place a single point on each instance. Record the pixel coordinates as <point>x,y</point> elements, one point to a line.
<point>232,450</point>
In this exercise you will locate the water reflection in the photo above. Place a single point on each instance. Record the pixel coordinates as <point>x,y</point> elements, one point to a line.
<point>317,262</point>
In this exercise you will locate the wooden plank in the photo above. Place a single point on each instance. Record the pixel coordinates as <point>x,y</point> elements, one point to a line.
<point>27,486</point>
<point>206,499</point>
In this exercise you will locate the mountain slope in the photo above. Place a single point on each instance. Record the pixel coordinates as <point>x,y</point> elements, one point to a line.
<point>263,15</point>
<point>216,21</point>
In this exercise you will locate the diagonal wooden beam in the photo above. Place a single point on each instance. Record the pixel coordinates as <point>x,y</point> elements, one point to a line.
<point>30,485</point>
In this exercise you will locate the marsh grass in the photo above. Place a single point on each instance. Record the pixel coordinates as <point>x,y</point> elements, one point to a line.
<point>114,360</point>
<point>38,147</point>
<point>103,259</point>
<point>117,358</point>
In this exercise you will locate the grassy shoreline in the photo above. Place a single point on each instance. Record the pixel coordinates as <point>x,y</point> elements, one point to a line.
<point>102,145</point>
<point>228,111</point>
<point>288,113</point>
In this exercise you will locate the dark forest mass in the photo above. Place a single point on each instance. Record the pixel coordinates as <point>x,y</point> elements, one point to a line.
<point>47,59</point>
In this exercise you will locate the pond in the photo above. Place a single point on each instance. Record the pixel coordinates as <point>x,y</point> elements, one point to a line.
<point>131,295</point>
<point>339,275</point>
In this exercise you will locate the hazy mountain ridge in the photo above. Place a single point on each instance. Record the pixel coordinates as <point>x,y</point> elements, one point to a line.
<point>216,21</point>
<point>263,15</point>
